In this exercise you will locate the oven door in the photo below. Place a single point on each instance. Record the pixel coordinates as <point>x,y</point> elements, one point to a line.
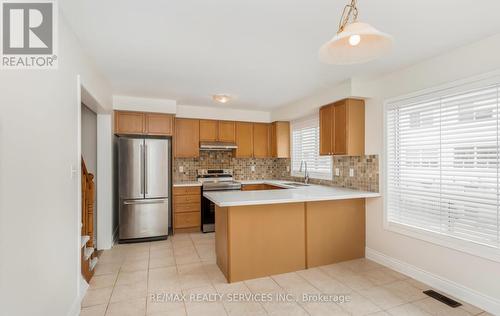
<point>207,215</point>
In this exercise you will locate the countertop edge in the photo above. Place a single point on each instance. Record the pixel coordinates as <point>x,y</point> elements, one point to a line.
<point>187,184</point>
<point>296,200</point>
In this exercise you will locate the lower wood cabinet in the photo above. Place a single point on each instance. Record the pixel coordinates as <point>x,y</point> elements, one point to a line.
<point>259,187</point>
<point>187,209</point>
<point>187,220</point>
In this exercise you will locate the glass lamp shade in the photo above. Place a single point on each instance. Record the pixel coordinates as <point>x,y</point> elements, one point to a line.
<point>357,43</point>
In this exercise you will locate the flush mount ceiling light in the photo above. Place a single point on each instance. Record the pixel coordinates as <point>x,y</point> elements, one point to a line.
<point>355,42</point>
<point>221,98</point>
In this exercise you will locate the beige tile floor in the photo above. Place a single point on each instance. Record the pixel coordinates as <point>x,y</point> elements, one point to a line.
<point>128,276</point>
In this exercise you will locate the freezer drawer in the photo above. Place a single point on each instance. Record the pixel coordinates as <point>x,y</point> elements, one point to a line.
<point>143,218</point>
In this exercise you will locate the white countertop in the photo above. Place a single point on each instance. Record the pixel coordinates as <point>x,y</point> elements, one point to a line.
<point>292,195</point>
<point>187,184</point>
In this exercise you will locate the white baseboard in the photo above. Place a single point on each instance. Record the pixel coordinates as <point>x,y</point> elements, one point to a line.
<point>77,304</point>
<point>115,237</point>
<point>459,291</point>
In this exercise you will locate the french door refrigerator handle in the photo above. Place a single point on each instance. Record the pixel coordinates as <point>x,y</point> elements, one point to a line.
<point>145,169</point>
<point>142,168</point>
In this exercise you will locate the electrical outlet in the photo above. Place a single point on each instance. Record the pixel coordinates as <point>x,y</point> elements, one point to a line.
<point>337,172</point>
<point>252,168</point>
<point>287,168</point>
<point>181,169</point>
<point>351,172</point>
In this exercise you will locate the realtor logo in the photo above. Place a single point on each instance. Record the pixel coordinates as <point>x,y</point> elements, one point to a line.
<point>28,34</point>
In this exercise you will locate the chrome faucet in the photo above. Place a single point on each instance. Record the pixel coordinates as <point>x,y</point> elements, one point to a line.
<point>306,173</point>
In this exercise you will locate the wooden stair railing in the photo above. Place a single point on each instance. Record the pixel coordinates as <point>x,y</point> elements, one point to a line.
<point>87,248</point>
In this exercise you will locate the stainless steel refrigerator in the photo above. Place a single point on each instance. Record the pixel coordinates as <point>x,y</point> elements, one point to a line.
<point>144,187</point>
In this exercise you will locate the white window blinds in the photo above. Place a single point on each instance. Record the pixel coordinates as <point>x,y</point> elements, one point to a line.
<point>305,147</point>
<point>443,164</point>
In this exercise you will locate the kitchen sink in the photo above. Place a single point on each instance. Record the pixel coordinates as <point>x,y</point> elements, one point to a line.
<point>296,184</point>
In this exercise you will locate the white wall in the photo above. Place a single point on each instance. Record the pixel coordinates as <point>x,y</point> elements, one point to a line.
<point>310,105</point>
<point>221,113</point>
<point>39,212</point>
<point>127,103</point>
<point>471,273</point>
<point>105,172</point>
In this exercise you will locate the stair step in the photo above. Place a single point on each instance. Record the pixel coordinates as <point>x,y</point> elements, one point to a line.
<point>87,253</point>
<point>84,240</point>
<point>93,262</point>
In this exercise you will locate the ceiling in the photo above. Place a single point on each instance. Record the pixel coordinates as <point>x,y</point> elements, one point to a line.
<point>262,51</point>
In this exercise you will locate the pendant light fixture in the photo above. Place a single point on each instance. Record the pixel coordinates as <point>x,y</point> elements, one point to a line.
<point>355,42</point>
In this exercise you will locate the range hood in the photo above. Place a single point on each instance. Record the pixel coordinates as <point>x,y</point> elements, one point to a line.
<point>217,146</point>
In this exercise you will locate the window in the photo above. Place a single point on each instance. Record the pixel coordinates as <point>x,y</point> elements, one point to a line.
<point>443,165</point>
<point>305,147</point>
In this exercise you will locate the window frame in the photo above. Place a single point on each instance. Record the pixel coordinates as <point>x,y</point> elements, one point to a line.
<point>312,175</point>
<point>451,242</point>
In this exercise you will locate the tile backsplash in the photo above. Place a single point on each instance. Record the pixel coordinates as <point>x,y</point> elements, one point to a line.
<point>365,168</point>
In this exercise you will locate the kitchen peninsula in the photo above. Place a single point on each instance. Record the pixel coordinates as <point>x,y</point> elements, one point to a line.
<point>266,232</point>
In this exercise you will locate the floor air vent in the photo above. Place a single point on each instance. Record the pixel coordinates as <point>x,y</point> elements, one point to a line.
<point>443,299</point>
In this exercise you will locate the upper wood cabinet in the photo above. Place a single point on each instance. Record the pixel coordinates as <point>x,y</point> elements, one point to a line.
<point>222,131</point>
<point>159,124</point>
<point>262,140</point>
<point>227,131</point>
<point>140,123</point>
<point>244,140</point>
<point>342,128</point>
<point>187,138</point>
<point>326,130</point>
<point>208,130</point>
<point>130,123</point>
<point>280,140</point>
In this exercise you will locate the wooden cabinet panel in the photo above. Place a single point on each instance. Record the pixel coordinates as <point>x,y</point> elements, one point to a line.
<point>325,130</point>
<point>159,124</point>
<point>129,122</point>
<point>187,190</point>
<point>340,128</point>
<point>355,127</point>
<point>187,209</point>
<point>280,139</point>
<point>187,138</point>
<point>184,199</point>
<point>335,231</point>
<point>244,140</point>
<point>208,130</point>
<point>191,207</point>
<point>261,140</point>
<point>227,131</point>
<point>187,220</point>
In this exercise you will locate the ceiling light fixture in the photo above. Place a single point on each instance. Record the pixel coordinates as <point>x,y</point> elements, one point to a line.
<point>221,98</point>
<point>355,42</point>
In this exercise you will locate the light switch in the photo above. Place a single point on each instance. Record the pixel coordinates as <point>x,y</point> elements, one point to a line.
<point>252,168</point>
<point>351,172</point>
<point>181,168</point>
<point>337,172</point>
<point>287,168</point>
